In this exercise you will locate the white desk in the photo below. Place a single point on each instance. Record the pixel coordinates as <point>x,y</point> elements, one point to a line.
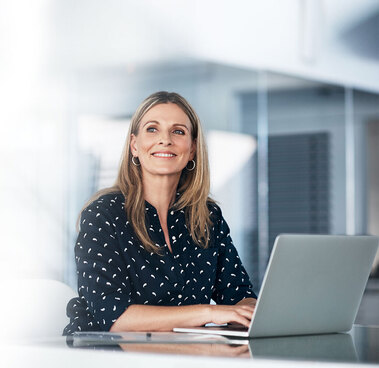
<point>361,346</point>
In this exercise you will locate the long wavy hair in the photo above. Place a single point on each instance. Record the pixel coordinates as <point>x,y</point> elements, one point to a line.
<point>193,185</point>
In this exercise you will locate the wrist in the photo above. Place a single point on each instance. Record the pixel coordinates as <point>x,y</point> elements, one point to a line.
<point>208,308</point>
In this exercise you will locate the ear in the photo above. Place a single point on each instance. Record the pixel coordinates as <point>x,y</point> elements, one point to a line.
<point>193,149</point>
<point>133,145</point>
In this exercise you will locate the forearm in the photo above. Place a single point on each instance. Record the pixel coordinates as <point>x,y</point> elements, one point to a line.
<point>157,318</point>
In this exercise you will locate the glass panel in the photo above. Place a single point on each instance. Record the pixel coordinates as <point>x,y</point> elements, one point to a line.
<point>214,92</point>
<point>304,168</point>
<point>248,103</point>
<point>366,134</point>
<point>306,160</point>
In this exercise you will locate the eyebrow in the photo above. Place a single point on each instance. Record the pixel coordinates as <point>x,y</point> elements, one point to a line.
<point>157,122</point>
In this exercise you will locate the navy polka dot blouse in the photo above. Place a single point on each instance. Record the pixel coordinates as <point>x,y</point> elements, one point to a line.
<point>115,271</point>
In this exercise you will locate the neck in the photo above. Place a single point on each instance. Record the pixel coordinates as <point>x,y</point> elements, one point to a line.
<point>160,191</point>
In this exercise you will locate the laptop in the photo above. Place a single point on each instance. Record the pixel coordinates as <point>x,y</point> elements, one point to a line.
<point>313,285</point>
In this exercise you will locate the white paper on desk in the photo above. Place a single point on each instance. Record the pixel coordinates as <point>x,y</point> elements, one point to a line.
<point>110,338</point>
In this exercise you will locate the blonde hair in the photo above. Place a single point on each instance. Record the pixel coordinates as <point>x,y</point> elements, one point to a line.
<point>193,185</point>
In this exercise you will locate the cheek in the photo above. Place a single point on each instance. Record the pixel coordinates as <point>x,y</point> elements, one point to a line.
<point>144,144</point>
<point>185,150</point>
<point>186,146</point>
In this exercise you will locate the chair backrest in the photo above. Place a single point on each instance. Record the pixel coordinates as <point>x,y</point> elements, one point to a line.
<point>33,308</point>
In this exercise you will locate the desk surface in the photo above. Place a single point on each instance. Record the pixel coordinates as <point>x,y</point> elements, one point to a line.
<point>361,345</point>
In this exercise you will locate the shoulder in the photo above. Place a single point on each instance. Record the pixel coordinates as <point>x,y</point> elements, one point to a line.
<point>219,225</point>
<point>106,206</point>
<point>106,202</point>
<point>214,209</point>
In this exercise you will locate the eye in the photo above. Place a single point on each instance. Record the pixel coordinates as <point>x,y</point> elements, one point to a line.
<point>151,129</point>
<point>179,131</point>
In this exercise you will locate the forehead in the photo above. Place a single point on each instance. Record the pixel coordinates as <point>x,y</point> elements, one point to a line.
<point>167,113</point>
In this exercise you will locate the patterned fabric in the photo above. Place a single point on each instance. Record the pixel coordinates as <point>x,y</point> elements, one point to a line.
<point>115,271</point>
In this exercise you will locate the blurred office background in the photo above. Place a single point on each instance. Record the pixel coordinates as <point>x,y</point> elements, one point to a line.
<point>288,93</point>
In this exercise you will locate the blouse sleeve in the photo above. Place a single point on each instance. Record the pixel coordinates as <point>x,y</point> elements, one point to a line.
<point>102,281</point>
<point>232,281</point>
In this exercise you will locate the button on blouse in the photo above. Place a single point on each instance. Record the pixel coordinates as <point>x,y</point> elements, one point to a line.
<point>115,271</point>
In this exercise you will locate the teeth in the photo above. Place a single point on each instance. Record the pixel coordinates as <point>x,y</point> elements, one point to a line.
<point>163,154</point>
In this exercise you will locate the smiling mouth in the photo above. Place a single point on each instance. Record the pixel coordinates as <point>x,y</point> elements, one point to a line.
<point>163,155</point>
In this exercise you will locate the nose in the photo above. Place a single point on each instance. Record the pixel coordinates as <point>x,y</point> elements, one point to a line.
<point>165,139</point>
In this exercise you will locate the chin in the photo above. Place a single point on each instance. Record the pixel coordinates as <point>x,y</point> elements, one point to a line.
<point>168,171</point>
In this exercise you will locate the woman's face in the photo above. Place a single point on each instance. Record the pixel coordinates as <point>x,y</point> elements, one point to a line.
<point>164,143</point>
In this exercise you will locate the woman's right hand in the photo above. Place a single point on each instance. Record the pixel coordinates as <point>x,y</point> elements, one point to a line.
<point>165,318</point>
<point>239,314</point>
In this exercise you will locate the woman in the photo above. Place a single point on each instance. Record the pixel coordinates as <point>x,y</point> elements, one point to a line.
<point>154,249</point>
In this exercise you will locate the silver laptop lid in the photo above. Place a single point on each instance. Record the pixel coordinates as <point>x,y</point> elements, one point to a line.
<point>313,284</point>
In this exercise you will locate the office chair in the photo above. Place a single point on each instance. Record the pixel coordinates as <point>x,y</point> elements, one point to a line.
<point>33,309</point>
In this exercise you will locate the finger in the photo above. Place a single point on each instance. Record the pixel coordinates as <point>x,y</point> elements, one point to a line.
<point>245,311</point>
<point>241,320</point>
<point>230,313</point>
<point>246,314</point>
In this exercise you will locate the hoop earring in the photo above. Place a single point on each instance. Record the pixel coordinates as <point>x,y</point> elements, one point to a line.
<point>134,163</point>
<point>193,167</point>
